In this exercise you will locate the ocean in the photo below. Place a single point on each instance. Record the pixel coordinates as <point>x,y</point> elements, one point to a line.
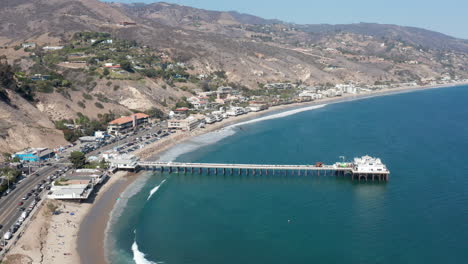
<point>419,216</point>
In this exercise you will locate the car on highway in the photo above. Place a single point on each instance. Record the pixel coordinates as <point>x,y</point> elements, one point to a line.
<point>20,203</point>
<point>22,209</point>
<point>14,228</point>
<point>25,197</point>
<point>7,236</point>
<point>1,226</point>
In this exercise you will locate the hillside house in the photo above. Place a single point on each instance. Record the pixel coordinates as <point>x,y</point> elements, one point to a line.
<point>28,45</point>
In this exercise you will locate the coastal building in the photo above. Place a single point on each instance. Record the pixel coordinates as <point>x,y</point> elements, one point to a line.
<point>34,154</point>
<point>235,111</point>
<point>181,113</point>
<point>369,165</point>
<point>256,107</point>
<point>71,191</point>
<point>124,162</point>
<point>210,119</point>
<point>199,103</point>
<point>126,123</point>
<point>187,124</point>
<point>77,184</point>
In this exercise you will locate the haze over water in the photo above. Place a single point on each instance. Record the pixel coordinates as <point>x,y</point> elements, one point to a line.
<point>420,216</point>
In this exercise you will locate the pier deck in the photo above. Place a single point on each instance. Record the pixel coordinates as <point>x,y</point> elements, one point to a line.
<point>365,168</point>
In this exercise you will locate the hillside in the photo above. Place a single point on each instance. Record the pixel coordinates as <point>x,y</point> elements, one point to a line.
<point>171,51</point>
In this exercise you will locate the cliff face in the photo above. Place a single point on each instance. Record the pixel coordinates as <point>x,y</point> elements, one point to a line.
<point>22,125</point>
<point>249,49</point>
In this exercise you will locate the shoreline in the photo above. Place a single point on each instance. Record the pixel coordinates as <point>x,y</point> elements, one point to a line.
<point>86,243</point>
<point>155,150</point>
<point>90,242</point>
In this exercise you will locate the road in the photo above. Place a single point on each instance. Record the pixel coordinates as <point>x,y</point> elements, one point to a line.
<point>9,209</point>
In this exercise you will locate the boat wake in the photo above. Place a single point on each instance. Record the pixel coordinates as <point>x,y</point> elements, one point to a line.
<point>155,189</point>
<point>140,257</point>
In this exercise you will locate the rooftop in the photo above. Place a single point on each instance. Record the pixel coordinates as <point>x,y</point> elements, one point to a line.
<point>127,119</point>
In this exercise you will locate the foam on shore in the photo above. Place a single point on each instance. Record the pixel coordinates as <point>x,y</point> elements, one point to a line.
<point>138,256</point>
<point>119,208</point>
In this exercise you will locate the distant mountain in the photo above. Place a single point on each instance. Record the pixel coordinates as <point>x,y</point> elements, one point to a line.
<point>249,51</point>
<point>415,36</point>
<point>177,15</point>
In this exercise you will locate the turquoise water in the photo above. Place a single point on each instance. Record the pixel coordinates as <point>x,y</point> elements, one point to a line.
<point>420,216</point>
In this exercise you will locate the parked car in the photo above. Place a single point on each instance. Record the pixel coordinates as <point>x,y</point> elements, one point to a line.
<point>7,236</point>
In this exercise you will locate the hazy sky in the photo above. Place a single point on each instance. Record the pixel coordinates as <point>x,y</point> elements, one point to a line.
<point>446,16</point>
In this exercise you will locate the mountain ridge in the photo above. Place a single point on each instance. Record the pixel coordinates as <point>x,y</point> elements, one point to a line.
<point>248,51</point>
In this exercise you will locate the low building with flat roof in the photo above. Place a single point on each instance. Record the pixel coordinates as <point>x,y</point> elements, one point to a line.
<point>187,124</point>
<point>34,154</point>
<point>96,176</point>
<point>126,123</point>
<point>77,184</point>
<point>70,192</point>
<point>125,162</point>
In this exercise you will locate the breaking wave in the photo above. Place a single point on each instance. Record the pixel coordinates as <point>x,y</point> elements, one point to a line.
<point>278,115</point>
<point>155,189</point>
<point>138,256</point>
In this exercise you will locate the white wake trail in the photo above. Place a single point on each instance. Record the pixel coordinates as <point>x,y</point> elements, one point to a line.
<point>155,189</point>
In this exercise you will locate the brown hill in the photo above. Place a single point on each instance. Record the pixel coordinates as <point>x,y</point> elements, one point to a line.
<point>251,50</point>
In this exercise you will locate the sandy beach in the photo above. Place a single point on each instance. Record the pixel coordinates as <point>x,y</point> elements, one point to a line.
<point>79,238</point>
<point>52,238</point>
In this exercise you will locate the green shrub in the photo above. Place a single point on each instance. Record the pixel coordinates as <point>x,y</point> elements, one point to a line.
<point>87,96</point>
<point>99,105</point>
<point>81,104</point>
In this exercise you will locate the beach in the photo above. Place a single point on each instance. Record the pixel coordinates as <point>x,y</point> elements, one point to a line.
<point>53,238</point>
<point>79,238</point>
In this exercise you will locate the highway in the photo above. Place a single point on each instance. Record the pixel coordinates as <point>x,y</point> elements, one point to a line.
<point>9,208</point>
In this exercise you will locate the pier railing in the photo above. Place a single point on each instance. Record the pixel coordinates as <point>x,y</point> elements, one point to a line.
<point>344,169</point>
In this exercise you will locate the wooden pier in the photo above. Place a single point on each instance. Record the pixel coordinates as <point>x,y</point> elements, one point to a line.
<point>356,171</point>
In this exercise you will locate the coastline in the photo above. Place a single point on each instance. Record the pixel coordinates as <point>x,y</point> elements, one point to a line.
<point>86,233</point>
<point>90,241</point>
<point>155,150</point>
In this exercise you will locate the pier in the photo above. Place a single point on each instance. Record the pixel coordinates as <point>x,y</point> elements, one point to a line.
<point>362,169</point>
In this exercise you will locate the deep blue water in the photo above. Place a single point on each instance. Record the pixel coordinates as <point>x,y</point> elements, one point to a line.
<point>419,216</point>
